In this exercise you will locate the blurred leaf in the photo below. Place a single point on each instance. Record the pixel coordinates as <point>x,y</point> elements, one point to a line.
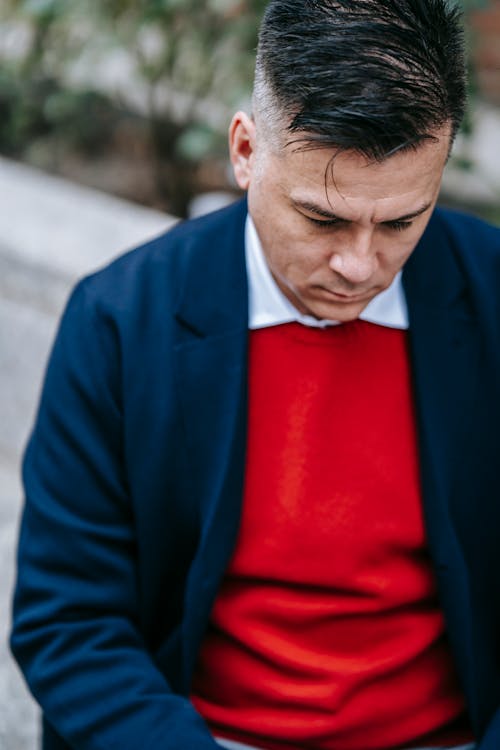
<point>41,8</point>
<point>195,143</point>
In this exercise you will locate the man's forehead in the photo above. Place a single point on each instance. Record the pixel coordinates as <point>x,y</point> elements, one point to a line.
<point>402,188</point>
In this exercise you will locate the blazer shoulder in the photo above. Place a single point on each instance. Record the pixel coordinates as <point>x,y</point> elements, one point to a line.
<point>475,247</point>
<point>155,269</point>
<point>471,237</point>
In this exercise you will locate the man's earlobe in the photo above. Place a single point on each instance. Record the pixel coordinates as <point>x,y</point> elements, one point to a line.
<point>241,147</point>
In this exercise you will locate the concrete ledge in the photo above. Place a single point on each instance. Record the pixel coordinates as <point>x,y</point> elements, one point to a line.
<point>53,231</point>
<point>18,712</point>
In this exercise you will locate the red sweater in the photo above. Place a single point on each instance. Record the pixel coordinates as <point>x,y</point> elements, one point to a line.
<point>327,633</point>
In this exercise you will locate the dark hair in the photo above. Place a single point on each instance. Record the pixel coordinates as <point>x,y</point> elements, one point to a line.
<point>374,76</point>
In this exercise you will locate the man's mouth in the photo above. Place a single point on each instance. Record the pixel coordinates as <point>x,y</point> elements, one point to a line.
<point>346,297</point>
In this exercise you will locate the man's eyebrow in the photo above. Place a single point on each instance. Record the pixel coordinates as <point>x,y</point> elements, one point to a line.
<point>319,211</point>
<point>412,215</point>
<point>314,209</point>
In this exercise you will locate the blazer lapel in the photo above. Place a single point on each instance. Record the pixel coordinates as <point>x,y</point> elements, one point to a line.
<point>211,365</point>
<point>444,354</point>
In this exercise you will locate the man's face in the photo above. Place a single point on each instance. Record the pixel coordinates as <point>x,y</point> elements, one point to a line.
<point>335,227</point>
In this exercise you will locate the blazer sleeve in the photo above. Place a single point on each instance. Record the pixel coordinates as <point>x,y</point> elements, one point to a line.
<point>75,632</point>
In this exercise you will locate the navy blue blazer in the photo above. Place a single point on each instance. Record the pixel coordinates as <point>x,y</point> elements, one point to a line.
<point>134,476</point>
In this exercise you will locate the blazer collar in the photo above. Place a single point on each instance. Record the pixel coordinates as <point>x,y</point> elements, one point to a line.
<point>432,276</point>
<point>213,294</point>
<point>444,347</point>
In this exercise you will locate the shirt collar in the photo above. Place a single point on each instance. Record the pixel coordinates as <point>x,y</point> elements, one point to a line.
<point>268,306</point>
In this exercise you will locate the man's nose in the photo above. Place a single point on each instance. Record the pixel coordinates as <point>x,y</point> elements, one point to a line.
<point>356,260</point>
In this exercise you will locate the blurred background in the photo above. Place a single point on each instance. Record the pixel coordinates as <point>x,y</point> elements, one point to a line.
<point>113,120</point>
<point>131,97</point>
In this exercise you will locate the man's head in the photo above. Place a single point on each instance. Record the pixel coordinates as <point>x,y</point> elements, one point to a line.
<point>356,103</point>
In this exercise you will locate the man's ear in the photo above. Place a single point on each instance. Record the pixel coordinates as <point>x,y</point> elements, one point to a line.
<point>242,147</point>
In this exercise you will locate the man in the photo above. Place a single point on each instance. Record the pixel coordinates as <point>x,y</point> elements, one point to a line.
<point>283,537</point>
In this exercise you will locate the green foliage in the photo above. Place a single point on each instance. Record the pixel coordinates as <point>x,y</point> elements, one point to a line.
<point>203,50</point>
<point>469,5</point>
<point>197,48</point>
<point>38,107</point>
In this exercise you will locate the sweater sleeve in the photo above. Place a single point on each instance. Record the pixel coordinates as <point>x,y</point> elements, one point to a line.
<point>75,632</point>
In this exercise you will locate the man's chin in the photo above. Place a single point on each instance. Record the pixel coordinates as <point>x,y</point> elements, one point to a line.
<point>341,311</point>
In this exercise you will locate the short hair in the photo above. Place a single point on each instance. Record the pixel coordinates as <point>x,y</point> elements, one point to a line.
<point>373,76</point>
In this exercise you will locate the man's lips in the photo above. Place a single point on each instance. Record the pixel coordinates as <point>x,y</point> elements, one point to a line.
<point>346,297</point>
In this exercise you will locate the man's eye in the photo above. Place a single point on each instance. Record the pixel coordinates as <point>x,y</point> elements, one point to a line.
<point>398,225</point>
<point>324,222</point>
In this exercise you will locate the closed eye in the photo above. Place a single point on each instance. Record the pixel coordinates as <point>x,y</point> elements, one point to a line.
<point>325,222</point>
<point>399,226</point>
